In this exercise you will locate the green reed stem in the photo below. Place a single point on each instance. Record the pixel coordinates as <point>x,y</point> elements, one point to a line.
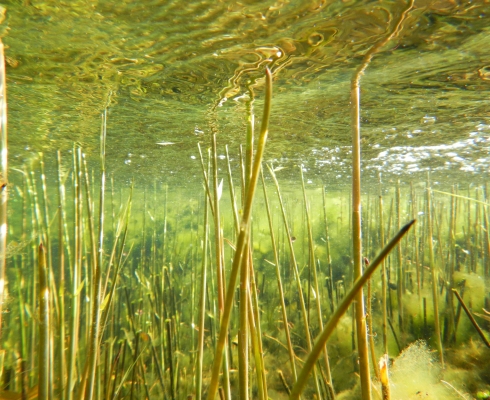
<point>449,332</point>
<point>206,180</point>
<point>329,257</point>
<point>75,275</point>
<point>399,267</point>
<point>44,326</point>
<point>122,228</point>
<point>232,192</point>
<point>93,350</point>
<point>241,241</point>
<point>253,325</point>
<point>90,284</point>
<point>279,283</point>
<point>61,269</point>
<point>296,274</point>
<point>486,236</point>
<point>23,333</point>
<point>371,326</point>
<point>218,242</point>
<point>384,282</point>
<point>312,264</point>
<point>33,281</point>
<point>434,274</point>
<point>202,304</point>
<point>3,183</point>
<point>243,327</point>
<point>341,309</point>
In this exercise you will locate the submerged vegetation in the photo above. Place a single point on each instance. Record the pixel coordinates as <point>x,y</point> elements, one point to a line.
<point>118,291</point>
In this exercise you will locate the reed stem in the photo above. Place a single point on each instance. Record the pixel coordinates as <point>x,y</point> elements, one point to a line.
<point>202,304</point>
<point>356,202</point>
<point>61,269</point>
<point>279,284</point>
<point>241,241</point>
<point>44,326</point>
<point>97,280</point>
<point>341,309</point>
<point>312,266</point>
<point>434,275</point>
<point>3,186</point>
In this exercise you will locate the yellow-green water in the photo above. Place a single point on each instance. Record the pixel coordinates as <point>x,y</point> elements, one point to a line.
<point>171,74</point>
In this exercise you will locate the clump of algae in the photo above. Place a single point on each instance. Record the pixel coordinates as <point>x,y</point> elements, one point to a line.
<point>416,374</point>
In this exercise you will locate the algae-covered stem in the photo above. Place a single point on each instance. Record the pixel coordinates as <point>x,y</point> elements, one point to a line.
<point>242,240</point>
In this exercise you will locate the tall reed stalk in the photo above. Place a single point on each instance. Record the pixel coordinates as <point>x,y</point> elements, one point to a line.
<point>3,188</point>
<point>312,266</point>
<point>97,278</point>
<point>297,277</point>
<point>74,320</point>
<point>61,270</point>
<point>434,274</point>
<point>218,245</point>
<point>384,280</point>
<point>279,284</point>
<point>202,304</point>
<point>243,329</point>
<point>44,326</point>
<point>242,240</point>
<point>356,201</point>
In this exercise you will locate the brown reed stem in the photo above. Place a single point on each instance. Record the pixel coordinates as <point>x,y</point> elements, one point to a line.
<point>356,201</point>
<point>472,319</point>
<point>202,304</point>
<point>341,309</point>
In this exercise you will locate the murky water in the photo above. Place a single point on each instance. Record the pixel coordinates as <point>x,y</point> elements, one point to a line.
<point>171,71</point>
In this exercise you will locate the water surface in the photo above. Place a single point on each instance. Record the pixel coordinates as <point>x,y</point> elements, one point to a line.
<point>170,73</point>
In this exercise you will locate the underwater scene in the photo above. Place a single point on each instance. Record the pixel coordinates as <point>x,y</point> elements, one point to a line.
<point>244,199</point>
